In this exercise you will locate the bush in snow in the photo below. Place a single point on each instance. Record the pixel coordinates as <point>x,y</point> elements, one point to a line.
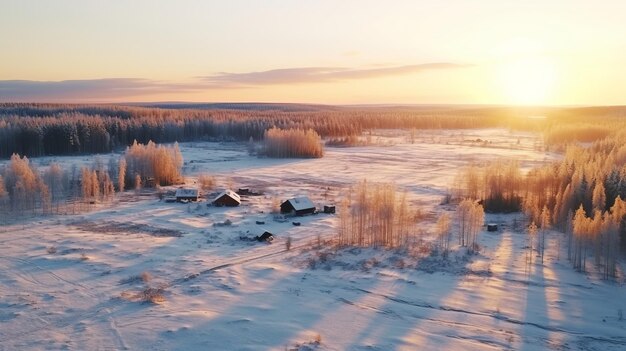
<point>152,161</point>
<point>286,143</point>
<point>206,182</point>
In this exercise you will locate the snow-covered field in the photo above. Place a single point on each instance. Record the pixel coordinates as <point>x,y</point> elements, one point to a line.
<point>75,282</point>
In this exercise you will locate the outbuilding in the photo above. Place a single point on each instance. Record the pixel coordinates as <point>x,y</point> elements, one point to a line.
<point>169,198</point>
<point>227,198</point>
<point>267,237</point>
<point>186,194</point>
<point>243,191</point>
<point>492,227</point>
<point>298,206</point>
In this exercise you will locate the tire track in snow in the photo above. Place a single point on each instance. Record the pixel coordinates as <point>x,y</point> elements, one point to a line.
<point>48,323</point>
<point>120,344</point>
<point>116,303</point>
<point>51,273</point>
<point>237,262</point>
<point>21,274</point>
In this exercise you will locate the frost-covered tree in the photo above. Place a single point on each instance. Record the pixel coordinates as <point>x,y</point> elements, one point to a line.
<point>375,216</point>
<point>614,221</point>
<point>161,163</point>
<point>4,196</point>
<point>23,183</point>
<point>498,184</point>
<point>582,227</point>
<point>470,216</point>
<point>545,226</point>
<point>3,190</point>
<point>532,235</point>
<point>56,181</point>
<point>444,233</point>
<point>138,184</point>
<point>207,182</point>
<point>599,197</point>
<point>292,143</point>
<point>121,176</point>
<point>89,184</point>
<point>106,184</point>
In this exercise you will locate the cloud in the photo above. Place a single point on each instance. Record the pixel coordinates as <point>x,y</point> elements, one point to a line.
<point>86,89</point>
<point>110,89</point>
<point>317,74</point>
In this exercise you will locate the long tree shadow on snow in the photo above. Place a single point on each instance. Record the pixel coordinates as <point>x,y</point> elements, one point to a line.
<point>438,312</point>
<point>285,309</point>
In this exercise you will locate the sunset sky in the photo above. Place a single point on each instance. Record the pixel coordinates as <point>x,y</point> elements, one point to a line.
<point>554,52</point>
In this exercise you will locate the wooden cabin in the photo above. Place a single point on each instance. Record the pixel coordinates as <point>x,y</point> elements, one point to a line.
<point>492,227</point>
<point>186,194</point>
<point>329,209</point>
<point>227,198</point>
<point>267,237</point>
<point>298,206</point>
<point>243,191</point>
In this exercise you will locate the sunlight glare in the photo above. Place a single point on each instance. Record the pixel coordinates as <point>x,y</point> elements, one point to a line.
<point>527,81</point>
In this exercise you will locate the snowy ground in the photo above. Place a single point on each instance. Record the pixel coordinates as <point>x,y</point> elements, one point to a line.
<point>73,282</point>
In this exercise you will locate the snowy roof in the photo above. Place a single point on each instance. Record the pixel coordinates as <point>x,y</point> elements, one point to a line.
<point>230,194</point>
<point>301,203</point>
<point>182,192</point>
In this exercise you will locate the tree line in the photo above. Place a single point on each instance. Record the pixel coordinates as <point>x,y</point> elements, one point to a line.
<point>56,129</point>
<point>26,189</point>
<point>581,195</point>
<point>31,129</point>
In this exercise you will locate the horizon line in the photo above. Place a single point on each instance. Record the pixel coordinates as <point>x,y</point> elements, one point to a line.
<point>381,104</point>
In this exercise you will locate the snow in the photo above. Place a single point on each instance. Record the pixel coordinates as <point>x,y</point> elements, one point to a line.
<point>74,282</point>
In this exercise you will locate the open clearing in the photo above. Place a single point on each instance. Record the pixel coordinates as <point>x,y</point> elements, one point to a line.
<point>74,282</point>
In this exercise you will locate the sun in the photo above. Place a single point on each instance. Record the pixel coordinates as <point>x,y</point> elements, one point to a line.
<point>527,81</point>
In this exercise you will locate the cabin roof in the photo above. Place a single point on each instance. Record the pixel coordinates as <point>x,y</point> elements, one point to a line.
<point>186,192</point>
<point>230,194</point>
<point>300,203</point>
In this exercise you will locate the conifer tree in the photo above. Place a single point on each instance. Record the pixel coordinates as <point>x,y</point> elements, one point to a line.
<point>599,197</point>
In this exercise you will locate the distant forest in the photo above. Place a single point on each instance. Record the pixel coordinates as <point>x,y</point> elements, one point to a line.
<point>58,129</point>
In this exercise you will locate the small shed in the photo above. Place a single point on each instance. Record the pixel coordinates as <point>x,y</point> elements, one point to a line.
<point>227,198</point>
<point>267,237</point>
<point>492,227</point>
<point>329,209</point>
<point>299,206</point>
<point>281,218</point>
<point>169,198</point>
<point>150,182</point>
<point>243,191</point>
<point>248,192</point>
<point>186,194</point>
